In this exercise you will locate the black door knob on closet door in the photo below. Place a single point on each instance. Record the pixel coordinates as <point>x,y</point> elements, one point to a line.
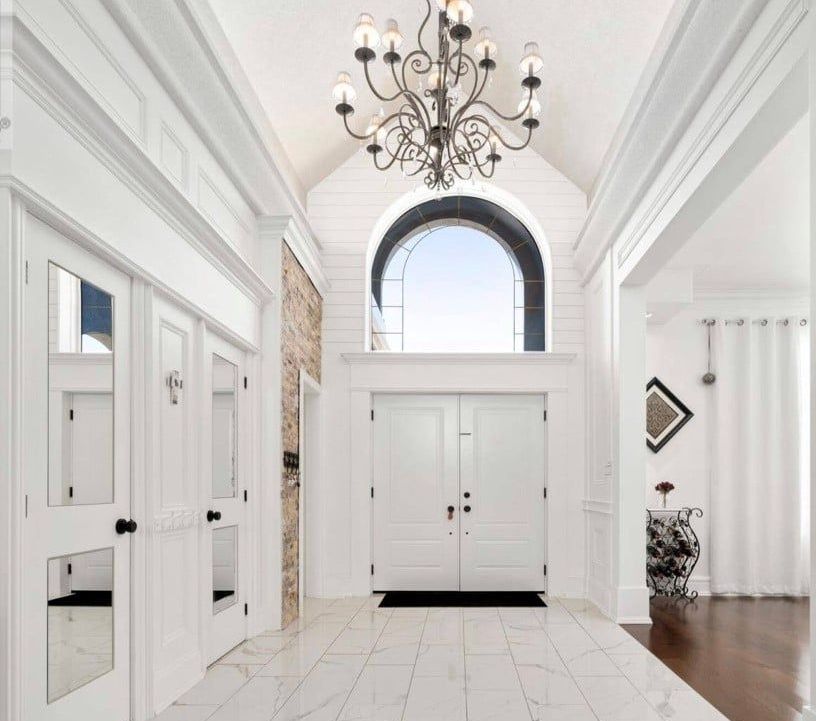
<point>123,525</point>
<point>451,509</point>
<point>466,509</point>
<point>213,516</point>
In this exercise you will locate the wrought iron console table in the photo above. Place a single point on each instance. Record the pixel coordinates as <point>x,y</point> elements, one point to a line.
<point>672,551</point>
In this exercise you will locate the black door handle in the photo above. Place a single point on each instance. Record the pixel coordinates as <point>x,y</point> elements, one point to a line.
<point>467,494</point>
<point>123,525</point>
<point>213,516</point>
<point>466,509</point>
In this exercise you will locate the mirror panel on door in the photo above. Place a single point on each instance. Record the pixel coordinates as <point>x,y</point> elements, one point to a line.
<point>224,387</point>
<point>80,391</point>
<point>224,567</point>
<point>80,620</point>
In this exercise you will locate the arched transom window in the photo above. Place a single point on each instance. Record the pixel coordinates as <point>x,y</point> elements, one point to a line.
<point>458,274</point>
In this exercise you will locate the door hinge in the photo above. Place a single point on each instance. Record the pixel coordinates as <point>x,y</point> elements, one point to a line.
<point>70,491</point>
<point>545,569</point>
<point>71,414</point>
<point>26,505</point>
<point>372,569</point>
<point>545,415</point>
<point>246,383</point>
<point>70,569</point>
<point>246,609</point>
<point>545,492</point>
<point>372,491</point>
<point>26,272</point>
<point>372,414</point>
<point>245,495</point>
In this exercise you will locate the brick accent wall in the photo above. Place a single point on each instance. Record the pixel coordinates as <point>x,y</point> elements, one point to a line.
<point>301,320</point>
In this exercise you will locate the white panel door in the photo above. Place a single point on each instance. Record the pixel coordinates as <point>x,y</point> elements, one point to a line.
<point>76,642</point>
<point>416,482</point>
<point>225,542</point>
<point>502,493</point>
<point>175,413</point>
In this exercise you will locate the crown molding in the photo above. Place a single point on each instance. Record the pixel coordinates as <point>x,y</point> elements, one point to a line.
<point>41,76</point>
<point>698,43</point>
<point>301,241</point>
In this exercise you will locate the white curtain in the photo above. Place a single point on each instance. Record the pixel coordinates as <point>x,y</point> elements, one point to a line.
<point>760,466</point>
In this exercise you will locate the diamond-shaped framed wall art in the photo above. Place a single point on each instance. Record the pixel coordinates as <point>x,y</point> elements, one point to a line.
<point>666,414</point>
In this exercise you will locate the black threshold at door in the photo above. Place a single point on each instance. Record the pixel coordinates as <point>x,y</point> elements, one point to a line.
<point>470,599</point>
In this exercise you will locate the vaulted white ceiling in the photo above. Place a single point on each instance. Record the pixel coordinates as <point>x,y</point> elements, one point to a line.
<point>594,52</point>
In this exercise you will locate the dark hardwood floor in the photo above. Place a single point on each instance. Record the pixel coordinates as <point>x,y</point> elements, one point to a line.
<point>749,657</point>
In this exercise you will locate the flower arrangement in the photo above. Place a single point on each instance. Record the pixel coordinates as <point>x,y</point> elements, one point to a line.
<point>664,488</point>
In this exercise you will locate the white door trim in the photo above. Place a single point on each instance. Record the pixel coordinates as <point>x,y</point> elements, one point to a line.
<point>310,437</point>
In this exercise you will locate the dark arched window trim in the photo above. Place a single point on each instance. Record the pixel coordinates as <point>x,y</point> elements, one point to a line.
<point>492,219</point>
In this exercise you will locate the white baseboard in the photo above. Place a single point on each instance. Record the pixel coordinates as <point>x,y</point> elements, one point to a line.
<point>634,621</point>
<point>701,584</point>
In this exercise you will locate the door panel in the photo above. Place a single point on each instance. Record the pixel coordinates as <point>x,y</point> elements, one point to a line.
<point>416,544</point>
<point>76,635</point>
<point>223,489</point>
<point>502,457</point>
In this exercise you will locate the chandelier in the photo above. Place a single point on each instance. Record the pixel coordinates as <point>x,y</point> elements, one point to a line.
<point>441,126</point>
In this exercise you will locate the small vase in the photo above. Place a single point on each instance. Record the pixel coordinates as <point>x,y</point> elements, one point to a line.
<point>663,498</point>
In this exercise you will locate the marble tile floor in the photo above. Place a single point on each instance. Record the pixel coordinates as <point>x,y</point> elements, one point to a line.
<point>347,660</point>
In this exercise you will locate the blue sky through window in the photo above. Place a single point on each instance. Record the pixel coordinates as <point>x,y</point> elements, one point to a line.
<point>458,294</point>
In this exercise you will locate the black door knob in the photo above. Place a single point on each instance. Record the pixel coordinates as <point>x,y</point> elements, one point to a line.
<point>123,525</point>
<point>213,516</point>
<point>467,494</point>
<point>466,509</point>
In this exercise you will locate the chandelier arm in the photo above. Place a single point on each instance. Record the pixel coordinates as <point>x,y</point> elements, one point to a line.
<point>473,93</point>
<point>370,135</point>
<point>413,99</point>
<point>422,30</point>
<point>374,90</point>
<point>414,60</point>
<point>477,119</point>
<point>516,147</point>
<point>509,118</point>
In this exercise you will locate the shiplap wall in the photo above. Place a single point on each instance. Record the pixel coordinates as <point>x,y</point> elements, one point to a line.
<point>343,210</point>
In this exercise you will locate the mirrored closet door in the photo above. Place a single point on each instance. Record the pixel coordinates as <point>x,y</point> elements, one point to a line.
<point>224,490</point>
<point>76,459</point>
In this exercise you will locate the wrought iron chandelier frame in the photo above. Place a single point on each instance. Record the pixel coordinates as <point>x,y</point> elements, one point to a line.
<point>428,132</point>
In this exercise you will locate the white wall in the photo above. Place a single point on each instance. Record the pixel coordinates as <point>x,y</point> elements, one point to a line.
<point>343,210</point>
<point>676,352</point>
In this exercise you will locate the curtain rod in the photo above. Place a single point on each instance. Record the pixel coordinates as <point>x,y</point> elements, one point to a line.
<point>759,321</point>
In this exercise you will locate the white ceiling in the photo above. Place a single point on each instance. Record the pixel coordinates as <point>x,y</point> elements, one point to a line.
<point>759,237</point>
<point>594,52</point>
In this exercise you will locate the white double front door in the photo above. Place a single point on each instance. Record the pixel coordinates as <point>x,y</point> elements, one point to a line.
<point>459,493</point>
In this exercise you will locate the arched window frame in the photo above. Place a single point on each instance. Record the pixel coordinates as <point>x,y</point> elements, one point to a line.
<point>530,302</point>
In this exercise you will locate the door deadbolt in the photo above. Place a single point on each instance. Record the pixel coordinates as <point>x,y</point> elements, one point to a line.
<point>451,509</point>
